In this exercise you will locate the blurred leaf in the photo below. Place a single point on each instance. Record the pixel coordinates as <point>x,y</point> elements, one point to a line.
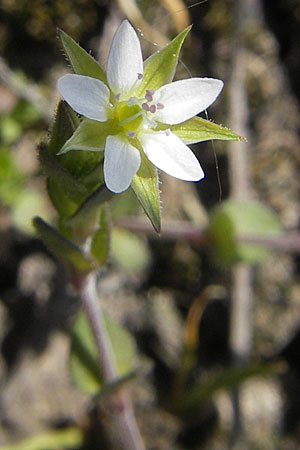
<point>70,438</point>
<point>11,178</point>
<point>101,239</point>
<point>12,124</point>
<point>25,113</point>
<point>70,254</point>
<point>10,130</point>
<point>160,67</point>
<point>228,379</point>
<point>233,219</point>
<point>129,250</point>
<point>145,186</point>
<point>84,361</point>
<point>29,203</point>
<point>81,62</point>
<point>198,129</point>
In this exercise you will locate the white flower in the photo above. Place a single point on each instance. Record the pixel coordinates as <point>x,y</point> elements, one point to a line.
<point>137,118</point>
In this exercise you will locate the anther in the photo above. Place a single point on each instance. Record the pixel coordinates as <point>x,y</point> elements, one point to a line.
<point>131,134</point>
<point>167,132</point>
<point>117,97</point>
<point>160,106</point>
<point>152,108</point>
<point>146,107</point>
<point>149,95</point>
<point>140,76</point>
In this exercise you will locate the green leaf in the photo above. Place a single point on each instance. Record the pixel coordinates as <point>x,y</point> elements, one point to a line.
<point>72,255</point>
<point>58,174</point>
<point>101,239</point>
<point>198,129</point>
<point>89,136</point>
<point>145,186</point>
<point>160,67</point>
<point>81,62</point>
<point>129,251</point>
<point>232,220</point>
<point>84,361</point>
<point>58,439</point>
<point>29,203</point>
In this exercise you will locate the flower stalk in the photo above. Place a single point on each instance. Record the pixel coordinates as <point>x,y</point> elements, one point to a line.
<point>123,431</point>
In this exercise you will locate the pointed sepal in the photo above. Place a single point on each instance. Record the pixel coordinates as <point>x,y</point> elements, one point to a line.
<point>198,129</point>
<point>81,62</point>
<point>145,186</point>
<point>159,68</point>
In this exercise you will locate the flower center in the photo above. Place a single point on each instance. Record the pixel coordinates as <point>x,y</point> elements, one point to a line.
<point>135,113</point>
<point>129,117</point>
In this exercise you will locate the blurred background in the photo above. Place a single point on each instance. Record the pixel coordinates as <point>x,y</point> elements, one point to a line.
<point>225,336</point>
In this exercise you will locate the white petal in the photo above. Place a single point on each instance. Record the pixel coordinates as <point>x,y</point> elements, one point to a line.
<point>184,99</point>
<point>87,96</point>
<point>166,151</point>
<point>125,61</point>
<point>121,162</point>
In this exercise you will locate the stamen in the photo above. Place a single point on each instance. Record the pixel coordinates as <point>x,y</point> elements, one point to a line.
<point>160,106</point>
<point>146,107</point>
<point>117,97</point>
<point>148,123</point>
<point>129,119</point>
<point>152,108</point>
<point>132,101</point>
<point>131,134</point>
<point>149,95</point>
<point>140,76</point>
<point>167,132</point>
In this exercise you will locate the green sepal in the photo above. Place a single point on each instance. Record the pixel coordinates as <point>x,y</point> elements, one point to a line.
<point>70,254</point>
<point>89,136</point>
<point>145,186</point>
<point>84,361</point>
<point>65,123</point>
<point>58,174</point>
<point>233,220</point>
<point>198,129</point>
<point>101,239</point>
<point>160,67</point>
<point>81,62</point>
<point>79,164</point>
